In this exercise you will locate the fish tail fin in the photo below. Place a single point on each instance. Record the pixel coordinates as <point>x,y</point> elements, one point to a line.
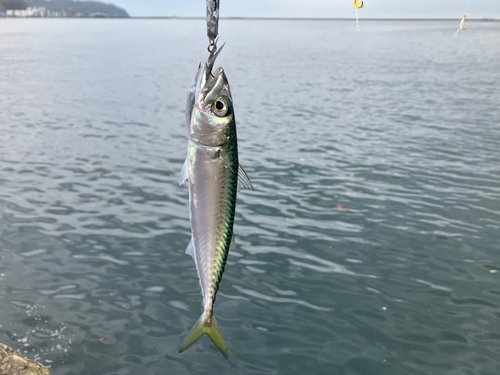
<point>206,325</point>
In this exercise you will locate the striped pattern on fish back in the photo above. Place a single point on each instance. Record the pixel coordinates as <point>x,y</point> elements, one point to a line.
<point>231,153</point>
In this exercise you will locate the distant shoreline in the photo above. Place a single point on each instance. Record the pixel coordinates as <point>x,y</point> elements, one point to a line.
<point>321,19</point>
<point>268,19</point>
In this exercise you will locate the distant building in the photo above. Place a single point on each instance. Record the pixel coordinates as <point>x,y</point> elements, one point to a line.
<point>60,8</point>
<point>32,12</point>
<point>63,8</point>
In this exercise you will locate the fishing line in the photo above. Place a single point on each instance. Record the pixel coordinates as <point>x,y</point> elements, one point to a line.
<point>358,29</point>
<point>358,6</point>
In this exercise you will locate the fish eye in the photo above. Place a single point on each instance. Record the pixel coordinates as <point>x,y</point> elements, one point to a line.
<point>221,107</point>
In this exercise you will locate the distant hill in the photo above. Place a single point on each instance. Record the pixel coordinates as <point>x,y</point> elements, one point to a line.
<point>11,4</point>
<point>85,8</point>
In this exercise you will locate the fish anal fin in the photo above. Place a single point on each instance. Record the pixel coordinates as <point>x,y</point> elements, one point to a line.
<point>184,173</point>
<point>190,248</point>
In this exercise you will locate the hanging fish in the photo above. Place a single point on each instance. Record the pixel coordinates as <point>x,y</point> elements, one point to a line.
<point>215,176</point>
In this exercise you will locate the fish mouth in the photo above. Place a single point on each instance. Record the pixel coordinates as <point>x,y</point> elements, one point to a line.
<point>207,78</point>
<point>201,83</point>
<point>209,83</point>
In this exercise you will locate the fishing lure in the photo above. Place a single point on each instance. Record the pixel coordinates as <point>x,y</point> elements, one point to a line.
<point>462,27</point>
<point>356,4</point>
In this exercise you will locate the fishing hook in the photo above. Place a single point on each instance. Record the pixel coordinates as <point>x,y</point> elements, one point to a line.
<point>213,56</point>
<point>356,4</point>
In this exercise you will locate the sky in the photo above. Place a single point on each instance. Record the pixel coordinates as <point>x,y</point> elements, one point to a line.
<point>316,8</point>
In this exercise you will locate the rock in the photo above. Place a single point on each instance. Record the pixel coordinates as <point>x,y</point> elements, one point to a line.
<point>13,363</point>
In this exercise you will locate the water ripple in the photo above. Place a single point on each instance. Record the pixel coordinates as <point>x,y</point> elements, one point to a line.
<point>370,245</point>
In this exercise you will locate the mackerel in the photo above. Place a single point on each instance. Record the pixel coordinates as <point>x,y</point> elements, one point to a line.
<point>215,176</point>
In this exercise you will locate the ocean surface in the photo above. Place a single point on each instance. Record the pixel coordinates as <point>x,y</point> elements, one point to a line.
<point>372,242</point>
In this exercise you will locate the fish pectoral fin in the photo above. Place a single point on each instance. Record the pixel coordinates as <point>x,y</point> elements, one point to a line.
<point>233,243</point>
<point>206,325</point>
<point>190,248</point>
<point>226,162</point>
<point>184,173</point>
<point>243,180</point>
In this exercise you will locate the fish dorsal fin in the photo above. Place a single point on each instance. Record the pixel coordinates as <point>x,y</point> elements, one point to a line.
<point>190,248</point>
<point>233,243</point>
<point>184,173</point>
<point>243,180</point>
